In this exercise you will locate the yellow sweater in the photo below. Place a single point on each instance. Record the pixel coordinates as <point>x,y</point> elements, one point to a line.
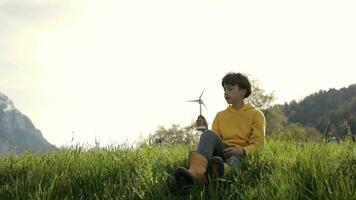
<point>241,128</point>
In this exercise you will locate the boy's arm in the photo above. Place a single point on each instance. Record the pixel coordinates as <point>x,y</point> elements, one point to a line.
<point>215,126</point>
<point>257,138</point>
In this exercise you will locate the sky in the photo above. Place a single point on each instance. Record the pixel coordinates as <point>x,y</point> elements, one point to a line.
<point>112,71</point>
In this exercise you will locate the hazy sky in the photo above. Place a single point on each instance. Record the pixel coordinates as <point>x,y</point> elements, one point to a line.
<point>114,70</point>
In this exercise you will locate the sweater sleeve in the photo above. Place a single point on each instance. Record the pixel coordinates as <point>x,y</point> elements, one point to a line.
<point>257,138</point>
<point>215,126</point>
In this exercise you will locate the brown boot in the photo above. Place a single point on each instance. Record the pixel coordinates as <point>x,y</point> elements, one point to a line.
<point>196,171</point>
<point>216,167</point>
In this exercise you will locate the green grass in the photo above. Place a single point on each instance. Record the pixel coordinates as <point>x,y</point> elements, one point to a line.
<point>284,170</point>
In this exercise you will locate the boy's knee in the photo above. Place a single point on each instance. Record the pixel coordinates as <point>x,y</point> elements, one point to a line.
<point>209,133</point>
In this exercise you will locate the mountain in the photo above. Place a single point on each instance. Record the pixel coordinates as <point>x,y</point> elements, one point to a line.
<point>17,132</point>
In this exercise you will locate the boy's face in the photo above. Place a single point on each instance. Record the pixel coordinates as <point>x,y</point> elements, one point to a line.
<point>233,93</point>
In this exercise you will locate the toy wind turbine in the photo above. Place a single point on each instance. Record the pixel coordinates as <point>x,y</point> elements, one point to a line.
<point>200,101</point>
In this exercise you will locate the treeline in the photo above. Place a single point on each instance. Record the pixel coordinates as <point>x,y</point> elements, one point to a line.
<point>331,114</point>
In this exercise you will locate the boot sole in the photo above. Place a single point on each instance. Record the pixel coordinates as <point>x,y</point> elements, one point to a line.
<point>183,177</point>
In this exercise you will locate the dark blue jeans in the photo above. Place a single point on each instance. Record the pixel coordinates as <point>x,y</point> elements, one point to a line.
<point>211,145</point>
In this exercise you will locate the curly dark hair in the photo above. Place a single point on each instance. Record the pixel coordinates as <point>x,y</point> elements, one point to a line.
<point>239,79</point>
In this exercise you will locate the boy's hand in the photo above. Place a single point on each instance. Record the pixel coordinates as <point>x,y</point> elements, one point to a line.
<point>201,122</point>
<point>234,151</point>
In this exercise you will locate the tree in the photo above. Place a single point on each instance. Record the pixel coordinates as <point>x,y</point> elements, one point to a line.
<point>275,119</point>
<point>259,97</point>
<point>322,109</point>
<point>173,135</point>
<point>352,128</point>
<point>339,122</point>
<point>296,131</point>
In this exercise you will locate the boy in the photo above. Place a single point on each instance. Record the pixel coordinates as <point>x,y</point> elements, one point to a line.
<point>237,132</point>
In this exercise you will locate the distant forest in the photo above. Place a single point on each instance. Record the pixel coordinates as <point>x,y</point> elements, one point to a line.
<point>329,113</point>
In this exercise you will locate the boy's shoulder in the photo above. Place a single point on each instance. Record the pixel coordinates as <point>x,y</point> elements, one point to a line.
<point>249,108</point>
<point>223,111</point>
<point>256,110</point>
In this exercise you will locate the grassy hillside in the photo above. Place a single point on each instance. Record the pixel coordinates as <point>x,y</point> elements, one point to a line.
<point>285,170</point>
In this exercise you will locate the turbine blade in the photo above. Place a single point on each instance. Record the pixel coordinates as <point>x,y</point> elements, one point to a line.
<point>194,100</point>
<point>202,93</point>
<point>204,104</point>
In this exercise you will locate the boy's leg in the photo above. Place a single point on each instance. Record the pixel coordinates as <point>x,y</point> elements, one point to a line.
<point>210,145</point>
<point>196,171</point>
<point>198,161</point>
<point>233,163</point>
